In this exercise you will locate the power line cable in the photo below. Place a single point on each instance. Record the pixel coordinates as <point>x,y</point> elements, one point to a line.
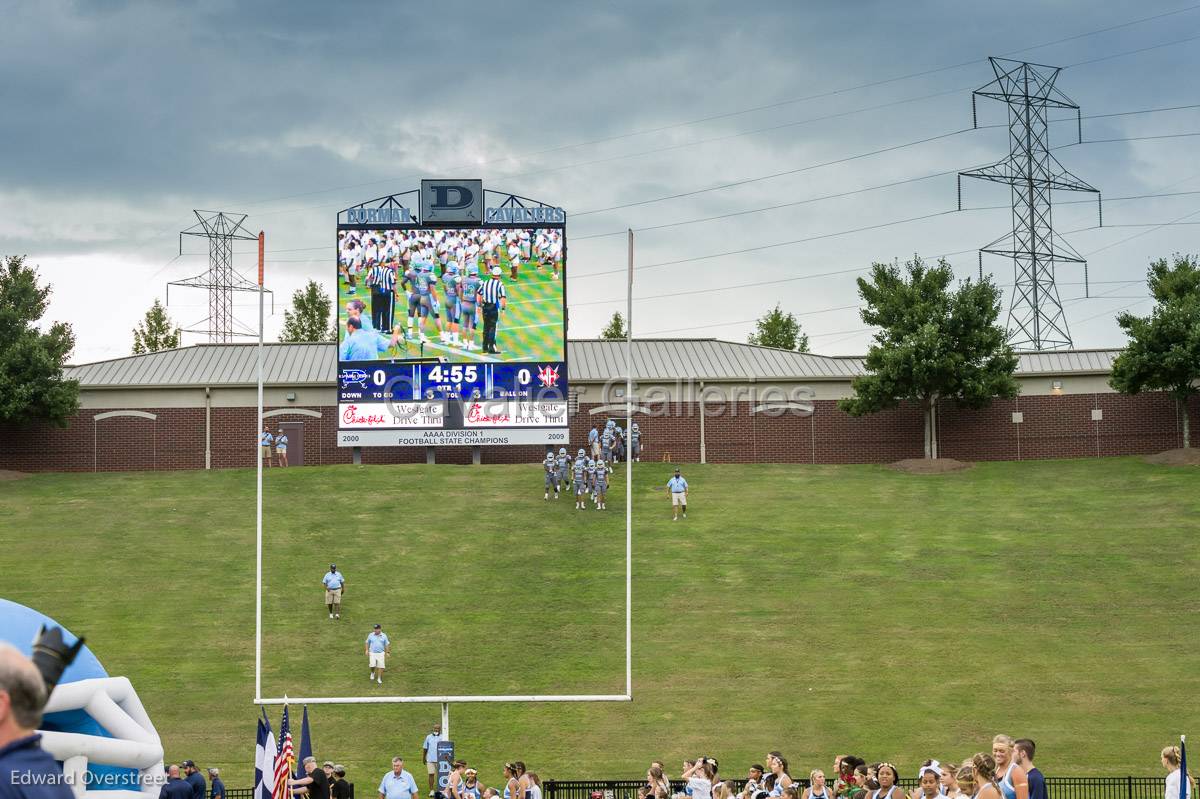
<point>778,104</point>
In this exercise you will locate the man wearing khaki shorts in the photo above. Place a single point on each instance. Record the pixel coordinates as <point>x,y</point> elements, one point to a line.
<point>678,488</point>
<point>430,756</point>
<point>334,582</point>
<point>265,439</point>
<point>377,649</point>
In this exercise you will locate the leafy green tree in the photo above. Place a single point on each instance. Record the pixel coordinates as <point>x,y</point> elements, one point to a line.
<point>779,330</point>
<point>615,331</point>
<point>155,332</point>
<point>309,319</point>
<point>31,362</point>
<point>935,343</point>
<point>1164,348</point>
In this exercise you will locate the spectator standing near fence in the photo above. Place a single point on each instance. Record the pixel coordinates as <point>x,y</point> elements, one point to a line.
<point>677,487</point>
<point>1023,751</point>
<point>398,783</point>
<point>281,442</point>
<point>468,786</point>
<point>340,789</point>
<point>699,777</point>
<point>1171,760</point>
<point>175,787</point>
<point>195,779</point>
<point>334,582</point>
<point>315,785</point>
<point>493,298</point>
<point>265,440</point>
<point>983,767</point>
<point>216,786</point>
<point>888,776</point>
<point>1012,780</point>
<point>430,756</point>
<point>754,778</point>
<point>817,789</point>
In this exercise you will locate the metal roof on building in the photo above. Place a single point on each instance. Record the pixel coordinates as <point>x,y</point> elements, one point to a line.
<point>213,365</point>
<point>589,361</point>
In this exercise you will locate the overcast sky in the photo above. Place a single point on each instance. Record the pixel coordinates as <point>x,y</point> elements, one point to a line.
<point>123,117</point>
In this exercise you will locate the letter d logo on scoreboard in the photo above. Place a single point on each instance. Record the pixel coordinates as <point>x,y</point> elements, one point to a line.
<point>451,201</point>
<point>445,763</point>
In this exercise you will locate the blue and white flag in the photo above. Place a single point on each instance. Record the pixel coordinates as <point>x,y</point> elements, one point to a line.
<point>267,789</point>
<point>260,741</point>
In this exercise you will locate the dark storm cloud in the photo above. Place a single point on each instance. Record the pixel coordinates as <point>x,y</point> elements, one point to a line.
<point>125,116</point>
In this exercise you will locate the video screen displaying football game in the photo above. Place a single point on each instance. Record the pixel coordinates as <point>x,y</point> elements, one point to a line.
<point>451,335</point>
<point>416,295</point>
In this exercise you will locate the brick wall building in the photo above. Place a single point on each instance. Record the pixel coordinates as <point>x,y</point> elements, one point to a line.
<point>195,408</point>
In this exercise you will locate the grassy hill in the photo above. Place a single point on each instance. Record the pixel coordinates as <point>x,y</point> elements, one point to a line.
<point>815,610</point>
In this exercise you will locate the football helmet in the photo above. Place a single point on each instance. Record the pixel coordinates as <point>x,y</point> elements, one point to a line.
<point>93,724</point>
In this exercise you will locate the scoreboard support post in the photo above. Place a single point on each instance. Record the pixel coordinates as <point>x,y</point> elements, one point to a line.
<point>356,456</point>
<point>476,456</point>
<point>430,456</point>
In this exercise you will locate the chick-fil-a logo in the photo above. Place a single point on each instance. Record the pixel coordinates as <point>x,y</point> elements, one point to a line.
<point>352,416</point>
<point>478,415</point>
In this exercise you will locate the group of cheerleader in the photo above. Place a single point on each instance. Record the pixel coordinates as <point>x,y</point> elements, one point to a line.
<point>1006,772</point>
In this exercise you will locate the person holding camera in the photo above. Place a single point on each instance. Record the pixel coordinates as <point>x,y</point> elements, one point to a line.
<point>26,770</point>
<point>754,783</point>
<point>700,776</point>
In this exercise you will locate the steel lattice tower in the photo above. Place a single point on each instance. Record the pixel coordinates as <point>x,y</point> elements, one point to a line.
<point>1035,316</point>
<point>221,230</point>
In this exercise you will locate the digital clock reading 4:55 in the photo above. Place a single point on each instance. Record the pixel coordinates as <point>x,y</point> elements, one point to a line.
<point>455,374</point>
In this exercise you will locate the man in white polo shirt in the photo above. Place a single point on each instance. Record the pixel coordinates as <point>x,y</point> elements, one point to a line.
<point>378,647</point>
<point>429,750</point>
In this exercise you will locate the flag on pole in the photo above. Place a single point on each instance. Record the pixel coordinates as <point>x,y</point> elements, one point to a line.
<point>285,759</point>
<point>1185,782</point>
<point>305,746</point>
<point>260,741</point>
<point>268,764</point>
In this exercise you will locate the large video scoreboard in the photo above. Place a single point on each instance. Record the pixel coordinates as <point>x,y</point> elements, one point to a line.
<point>452,319</point>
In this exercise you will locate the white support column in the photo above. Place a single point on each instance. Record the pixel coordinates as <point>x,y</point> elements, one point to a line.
<point>258,505</point>
<point>629,476</point>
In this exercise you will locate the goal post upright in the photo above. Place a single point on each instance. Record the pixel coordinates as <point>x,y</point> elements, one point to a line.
<point>391,211</point>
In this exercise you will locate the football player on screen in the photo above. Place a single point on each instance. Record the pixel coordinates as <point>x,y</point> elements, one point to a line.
<point>467,291</point>
<point>452,280</point>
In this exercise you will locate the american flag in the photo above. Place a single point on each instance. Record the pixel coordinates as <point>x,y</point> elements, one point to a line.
<point>285,760</point>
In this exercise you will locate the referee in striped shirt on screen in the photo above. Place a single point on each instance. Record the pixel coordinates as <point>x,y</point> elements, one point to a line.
<point>493,299</point>
<point>382,281</point>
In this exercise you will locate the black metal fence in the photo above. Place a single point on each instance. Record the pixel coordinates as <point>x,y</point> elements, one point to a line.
<point>1057,787</point>
<point>248,793</point>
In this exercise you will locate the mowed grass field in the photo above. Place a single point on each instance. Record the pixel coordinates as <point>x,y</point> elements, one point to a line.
<point>815,610</point>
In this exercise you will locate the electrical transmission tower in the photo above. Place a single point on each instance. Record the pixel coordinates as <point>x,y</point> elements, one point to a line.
<point>1035,316</point>
<point>221,230</point>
